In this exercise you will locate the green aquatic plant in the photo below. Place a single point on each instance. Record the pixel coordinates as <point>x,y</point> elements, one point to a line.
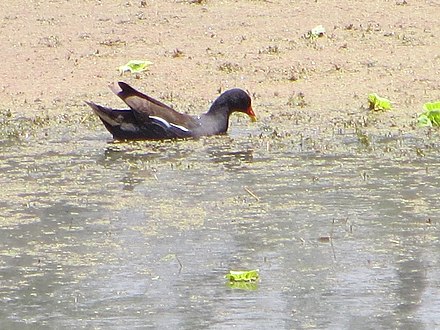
<point>431,115</point>
<point>135,66</point>
<point>12,126</point>
<point>243,275</point>
<point>247,286</point>
<point>378,103</point>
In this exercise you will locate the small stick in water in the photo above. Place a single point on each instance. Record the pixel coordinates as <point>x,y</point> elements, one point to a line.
<point>252,194</point>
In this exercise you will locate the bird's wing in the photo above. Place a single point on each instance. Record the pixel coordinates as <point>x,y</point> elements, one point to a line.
<point>144,107</point>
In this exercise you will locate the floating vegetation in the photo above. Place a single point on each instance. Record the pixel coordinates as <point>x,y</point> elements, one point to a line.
<point>18,127</point>
<point>363,138</point>
<point>248,286</point>
<point>13,127</point>
<point>243,275</point>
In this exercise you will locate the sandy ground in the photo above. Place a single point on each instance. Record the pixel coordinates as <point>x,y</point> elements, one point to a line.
<point>56,54</point>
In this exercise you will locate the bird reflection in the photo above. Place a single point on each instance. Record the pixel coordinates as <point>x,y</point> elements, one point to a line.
<point>231,159</point>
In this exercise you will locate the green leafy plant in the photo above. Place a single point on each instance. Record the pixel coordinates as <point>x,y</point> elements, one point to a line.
<point>243,275</point>
<point>135,66</point>
<point>378,103</point>
<point>431,115</point>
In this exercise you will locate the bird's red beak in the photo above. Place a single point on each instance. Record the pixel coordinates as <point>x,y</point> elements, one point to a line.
<point>250,112</point>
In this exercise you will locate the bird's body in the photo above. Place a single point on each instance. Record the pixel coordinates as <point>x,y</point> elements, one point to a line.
<point>149,119</point>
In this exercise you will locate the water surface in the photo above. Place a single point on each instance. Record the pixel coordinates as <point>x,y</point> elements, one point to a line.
<point>105,235</point>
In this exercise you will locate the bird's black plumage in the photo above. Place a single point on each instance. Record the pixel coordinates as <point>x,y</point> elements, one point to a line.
<point>149,119</point>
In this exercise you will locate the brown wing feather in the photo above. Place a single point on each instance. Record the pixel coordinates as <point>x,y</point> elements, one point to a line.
<point>144,106</point>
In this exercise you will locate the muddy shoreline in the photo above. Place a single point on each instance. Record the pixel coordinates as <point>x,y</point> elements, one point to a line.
<point>60,54</point>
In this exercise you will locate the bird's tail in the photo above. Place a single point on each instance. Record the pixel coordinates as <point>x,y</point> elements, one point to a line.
<point>108,116</point>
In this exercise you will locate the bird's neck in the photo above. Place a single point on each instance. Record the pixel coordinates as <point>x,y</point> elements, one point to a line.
<point>217,119</point>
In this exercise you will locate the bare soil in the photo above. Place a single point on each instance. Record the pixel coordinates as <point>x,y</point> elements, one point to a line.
<point>56,54</point>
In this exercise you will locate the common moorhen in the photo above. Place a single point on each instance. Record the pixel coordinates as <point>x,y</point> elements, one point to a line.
<point>149,119</point>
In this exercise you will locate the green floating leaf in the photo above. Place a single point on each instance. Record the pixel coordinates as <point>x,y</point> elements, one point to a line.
<point>135,66</point>
<point>243,275</point>
<point>378,103</point>
<point>247,286</point>
<point>431,116</point>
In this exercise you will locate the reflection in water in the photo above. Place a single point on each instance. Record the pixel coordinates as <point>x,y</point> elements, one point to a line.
<point>231,159</point>
<point>100,235</point>
<point>412,277</point>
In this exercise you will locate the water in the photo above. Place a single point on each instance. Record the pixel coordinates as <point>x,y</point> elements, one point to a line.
<point>140,235</point>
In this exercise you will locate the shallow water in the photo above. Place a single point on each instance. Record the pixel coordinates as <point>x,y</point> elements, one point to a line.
<point>123,235</point>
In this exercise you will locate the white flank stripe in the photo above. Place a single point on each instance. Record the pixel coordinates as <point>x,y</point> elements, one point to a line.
<point>180,127</point>
<point>163,121</point>
<point>167,124</point>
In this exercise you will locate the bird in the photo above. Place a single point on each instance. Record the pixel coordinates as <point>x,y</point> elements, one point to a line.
<point>150,119</point>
